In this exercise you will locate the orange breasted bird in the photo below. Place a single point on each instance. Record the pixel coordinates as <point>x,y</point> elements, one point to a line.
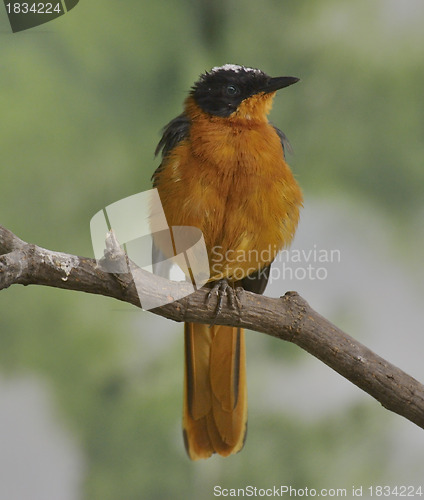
<point>223,171</point>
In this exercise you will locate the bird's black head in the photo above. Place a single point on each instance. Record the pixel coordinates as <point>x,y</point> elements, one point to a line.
<point>221,90</point>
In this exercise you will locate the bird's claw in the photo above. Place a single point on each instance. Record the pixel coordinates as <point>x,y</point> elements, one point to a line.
<point>223,289</point>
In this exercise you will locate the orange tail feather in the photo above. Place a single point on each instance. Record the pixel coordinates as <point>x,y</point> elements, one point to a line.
<point>215,391</point>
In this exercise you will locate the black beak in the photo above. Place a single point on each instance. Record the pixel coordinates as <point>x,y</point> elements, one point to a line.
<point>279,82</point>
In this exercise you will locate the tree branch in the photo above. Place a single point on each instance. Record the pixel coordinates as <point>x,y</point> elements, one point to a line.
<point>288,318</point>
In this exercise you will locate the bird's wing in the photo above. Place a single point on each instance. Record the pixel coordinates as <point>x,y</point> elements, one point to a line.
<point>287,148</point>
<point>173,133</point>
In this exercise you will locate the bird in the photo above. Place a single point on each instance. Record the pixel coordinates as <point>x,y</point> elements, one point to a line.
<point>223,171</point>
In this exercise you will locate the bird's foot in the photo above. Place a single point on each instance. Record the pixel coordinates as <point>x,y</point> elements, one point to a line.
<point>223,289</point>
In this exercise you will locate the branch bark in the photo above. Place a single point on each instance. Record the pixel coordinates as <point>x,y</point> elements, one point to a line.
<point>288,318</point>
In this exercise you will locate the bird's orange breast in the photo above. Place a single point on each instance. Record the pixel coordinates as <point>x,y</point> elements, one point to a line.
<point>229,178</point>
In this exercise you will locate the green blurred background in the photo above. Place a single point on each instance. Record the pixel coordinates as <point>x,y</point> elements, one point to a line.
<point>91,389</point>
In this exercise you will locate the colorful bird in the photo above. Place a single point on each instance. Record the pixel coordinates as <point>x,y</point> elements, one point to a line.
<point>223,171</point>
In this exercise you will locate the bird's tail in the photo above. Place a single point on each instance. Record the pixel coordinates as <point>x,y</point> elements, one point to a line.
<point>215,390</point>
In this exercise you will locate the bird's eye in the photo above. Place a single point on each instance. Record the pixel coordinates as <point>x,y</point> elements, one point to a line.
<point>232,90</point>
